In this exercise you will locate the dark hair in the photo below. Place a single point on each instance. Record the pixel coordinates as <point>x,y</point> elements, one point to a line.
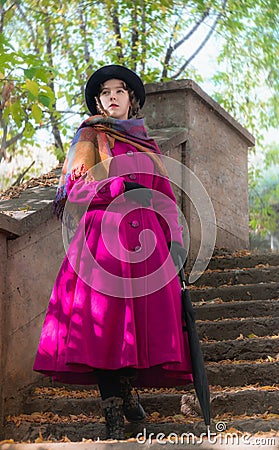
<point>134,110</point>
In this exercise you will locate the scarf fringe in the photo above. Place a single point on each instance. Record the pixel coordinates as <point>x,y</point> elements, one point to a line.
<point>59,202</point>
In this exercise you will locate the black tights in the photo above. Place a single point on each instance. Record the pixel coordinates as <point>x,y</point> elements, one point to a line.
<point>109,381</point>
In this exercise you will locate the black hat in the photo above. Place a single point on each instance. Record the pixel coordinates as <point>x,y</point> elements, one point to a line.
<point>107,73</point>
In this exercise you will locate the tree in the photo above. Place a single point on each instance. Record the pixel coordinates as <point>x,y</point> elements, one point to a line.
<point>264,193</point>
<point>45,66</point>
<point>25,92</point>
<point>249,83</point>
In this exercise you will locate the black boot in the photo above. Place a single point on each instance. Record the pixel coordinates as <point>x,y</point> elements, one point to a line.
<point>113,411</point>
<point>132,408</point>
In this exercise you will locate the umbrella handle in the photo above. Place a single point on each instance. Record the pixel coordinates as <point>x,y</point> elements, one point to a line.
<point>182,273</point>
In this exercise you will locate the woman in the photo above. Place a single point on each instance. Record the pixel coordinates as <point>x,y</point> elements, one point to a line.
<point>114,316</point>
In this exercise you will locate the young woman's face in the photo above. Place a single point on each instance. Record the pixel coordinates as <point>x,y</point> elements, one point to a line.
<point>115,99</point>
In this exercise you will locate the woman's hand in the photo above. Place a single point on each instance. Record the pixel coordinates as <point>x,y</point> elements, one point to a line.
<point>138,192</point>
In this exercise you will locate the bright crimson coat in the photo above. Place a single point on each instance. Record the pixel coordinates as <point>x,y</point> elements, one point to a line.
<point>116,301</point>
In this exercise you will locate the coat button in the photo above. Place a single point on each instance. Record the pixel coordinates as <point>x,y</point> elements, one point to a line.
<point>137,248</point>
<point>135,224</point>
<point>132,176</point>
<point>130,153</point>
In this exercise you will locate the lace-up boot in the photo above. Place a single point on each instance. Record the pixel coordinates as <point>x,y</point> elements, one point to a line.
<point>113,412</point>
<point>132,408</point>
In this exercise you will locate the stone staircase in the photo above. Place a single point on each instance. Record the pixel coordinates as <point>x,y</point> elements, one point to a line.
<point>237,312</point>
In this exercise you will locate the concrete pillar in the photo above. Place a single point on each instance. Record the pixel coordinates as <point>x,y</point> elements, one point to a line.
<point>215,149</point>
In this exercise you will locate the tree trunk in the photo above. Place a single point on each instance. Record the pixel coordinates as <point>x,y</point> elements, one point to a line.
<point>53,115</point>
<point>143,37</point>
<point>135,37</point>
<point>83,30</point>
<point>117,31</point>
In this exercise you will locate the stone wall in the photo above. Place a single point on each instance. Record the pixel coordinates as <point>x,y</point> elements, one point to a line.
<point>3,346</point>
<point>31,267</point>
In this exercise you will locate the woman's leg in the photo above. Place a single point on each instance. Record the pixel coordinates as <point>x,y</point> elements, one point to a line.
<point>112,403</point>
<point>132,408</point>
<point>116,384</point>
<point>109,383</point>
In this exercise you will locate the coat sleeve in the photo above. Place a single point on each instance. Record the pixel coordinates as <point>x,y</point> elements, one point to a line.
<point>165,206</point>
<point>81,187</point>
<point>93,193</point>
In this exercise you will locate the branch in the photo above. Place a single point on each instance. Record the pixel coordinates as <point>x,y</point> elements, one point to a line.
<point>15,138</point>
<point>169,53</point>
<point>117,31</point>
<point>143,37</point>
<point>54,123</point>
<point>4,142</point>
<point>3,153</point>
<point>83,28</point>
<point>183,67</point>
<point>29,25</point>
<point>2,20</point>
<point>2,17</point>
<point>171,48</point>
<point>21,175</point>
<point>135,37</point>
<point>191,32</point>
<point>8,143</point>
<point>73,60</point>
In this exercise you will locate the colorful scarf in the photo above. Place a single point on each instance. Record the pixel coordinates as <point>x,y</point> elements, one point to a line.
<point>92,144</point>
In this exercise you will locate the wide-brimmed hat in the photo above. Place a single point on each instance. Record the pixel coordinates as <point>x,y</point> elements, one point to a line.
<point>106,73</point>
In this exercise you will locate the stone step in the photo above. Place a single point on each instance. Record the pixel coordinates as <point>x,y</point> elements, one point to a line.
<point>244,349</point>
<point>76,428</point>
<point>243,261</point>
<point>240,441</point>
<point>241,401</point>
<point>217,309</point>
<point>166,403</point>
<point>264,291</point>
<point>239,276</point>
<point>228,329</point>
<point>245,401</point>
<point>263,373</point>
<point>61,391</point>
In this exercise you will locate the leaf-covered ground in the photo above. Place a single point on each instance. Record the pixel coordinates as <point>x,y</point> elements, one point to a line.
<point>48,179</point>
<point>58,392</point>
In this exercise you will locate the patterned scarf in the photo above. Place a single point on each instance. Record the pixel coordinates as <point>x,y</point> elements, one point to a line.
<point>93,144</point>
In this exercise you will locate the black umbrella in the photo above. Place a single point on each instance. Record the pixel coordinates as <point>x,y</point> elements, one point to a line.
<point>198,368</point>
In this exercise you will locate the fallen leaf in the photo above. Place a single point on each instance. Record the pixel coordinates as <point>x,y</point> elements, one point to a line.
<point>39,439</point>
<point>65,439</point>
<point>155,415</point>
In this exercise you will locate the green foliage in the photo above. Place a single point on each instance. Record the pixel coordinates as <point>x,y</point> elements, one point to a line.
<point>24,94</point>
<point>248,83</point>
<point>264,193</point>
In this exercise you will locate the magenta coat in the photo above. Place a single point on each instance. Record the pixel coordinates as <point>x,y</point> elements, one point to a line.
<point>116,301</point>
